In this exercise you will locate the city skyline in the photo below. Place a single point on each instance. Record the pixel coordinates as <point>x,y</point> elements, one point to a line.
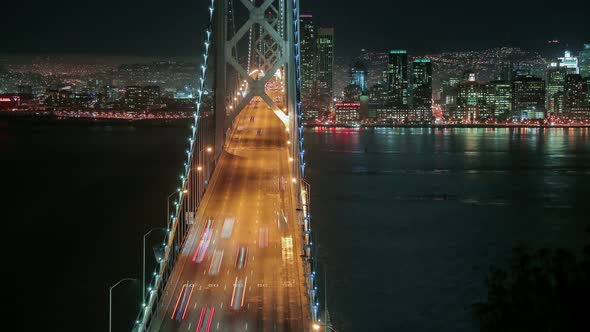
<point>305,165</point>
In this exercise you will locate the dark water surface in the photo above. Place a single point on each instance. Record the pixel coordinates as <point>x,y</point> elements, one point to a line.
<point>401,257</point>
<point>407,229</point>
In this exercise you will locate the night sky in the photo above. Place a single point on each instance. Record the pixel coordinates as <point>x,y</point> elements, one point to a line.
<point>173,28</point>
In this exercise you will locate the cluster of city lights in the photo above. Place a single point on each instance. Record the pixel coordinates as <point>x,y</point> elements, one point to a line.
<point>122,115</point>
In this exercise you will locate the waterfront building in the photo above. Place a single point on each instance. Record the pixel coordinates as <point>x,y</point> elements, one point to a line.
<point>347,112</point>
<point>555,84</point>
<point>471,101</point>
<point>528,96</point>
<point>498,95</point>
<point>397,79</point>
<point>576,90</point>
<point>422,84</point>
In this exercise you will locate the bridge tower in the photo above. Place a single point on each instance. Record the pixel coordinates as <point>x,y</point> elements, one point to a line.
<point>271,35</point>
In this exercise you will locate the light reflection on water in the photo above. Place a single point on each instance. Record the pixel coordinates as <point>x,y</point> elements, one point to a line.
<point>409,220</point>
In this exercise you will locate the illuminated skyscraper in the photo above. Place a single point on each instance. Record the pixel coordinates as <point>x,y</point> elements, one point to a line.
<point>325,46</point>
<point>448,91</point>
<point>528,97</point>
<point>584,61</point>
<point>570,62</point>
<point>471,100</point>
<point>358,75</point>
<point>308,54</point>
<point>422,84</point>
<point>397,79</point>
<point>555,85</point>
<point>575,91</point>
<point>499,98</point>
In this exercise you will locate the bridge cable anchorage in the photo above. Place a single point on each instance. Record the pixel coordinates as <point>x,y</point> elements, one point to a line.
<point>149,305</point>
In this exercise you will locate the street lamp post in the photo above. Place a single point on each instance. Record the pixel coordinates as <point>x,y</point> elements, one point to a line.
<point>111,299</point>
<point>168,203</point>
<point>144,236</point>
<point>204,167</point>
<point>316,326</point>
<point>206,161</point>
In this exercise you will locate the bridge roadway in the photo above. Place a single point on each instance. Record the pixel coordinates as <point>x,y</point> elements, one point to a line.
<point>253,186</point>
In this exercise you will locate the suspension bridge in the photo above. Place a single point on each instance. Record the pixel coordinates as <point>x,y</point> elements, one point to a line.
<point>237,255</point>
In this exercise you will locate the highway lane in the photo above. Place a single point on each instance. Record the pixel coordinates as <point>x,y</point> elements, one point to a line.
<point>240,269</point>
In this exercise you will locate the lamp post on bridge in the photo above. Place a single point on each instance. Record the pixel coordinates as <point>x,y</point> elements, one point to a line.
<point>168,202</point>
<point>206,161</point>
<point>204,167</point>
<point>144,236</point>
<point>316,326</point>
<point>111,299</point>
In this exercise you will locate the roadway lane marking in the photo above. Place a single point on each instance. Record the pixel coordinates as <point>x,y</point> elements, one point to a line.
<point>246,329</point>
<point>189,326</point>
<point>217,325</point>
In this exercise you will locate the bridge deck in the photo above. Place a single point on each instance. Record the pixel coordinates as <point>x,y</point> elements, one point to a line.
<point>252,185</point>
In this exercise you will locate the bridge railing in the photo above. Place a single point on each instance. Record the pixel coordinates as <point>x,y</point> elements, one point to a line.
<point>303,187</point>
<point>198,167</point>
<point>299,171</point>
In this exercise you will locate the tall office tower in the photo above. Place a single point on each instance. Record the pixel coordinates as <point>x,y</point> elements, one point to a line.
<point>528,96</point>
<point>358,75</point>
<point>575,91</point>
<point>471,101</point>
<point>326,62</point>
<point>499,98</point>
<point>422,84</point>
<point>308,54</point>
<point>584,61</point>
<point>397,78</point>
<point>448,91</point>
<point>570,62</point>
<point>555,84</point>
